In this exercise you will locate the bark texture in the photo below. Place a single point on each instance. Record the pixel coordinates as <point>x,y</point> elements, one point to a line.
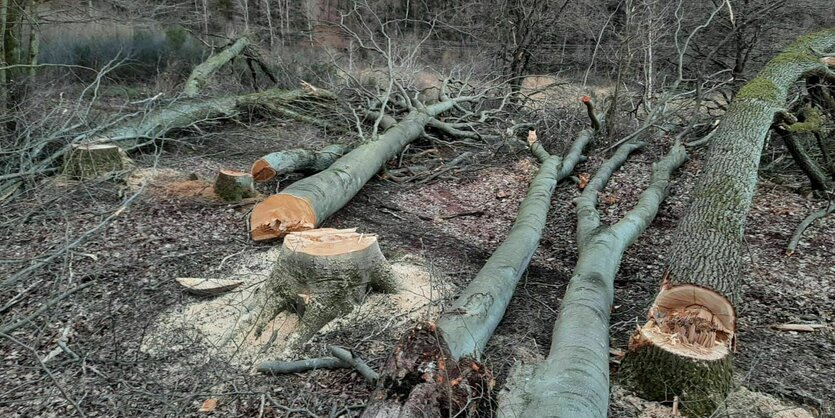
<point>297,160</point>
<point>321,274</point>
<point>324,193</point>
<point>434,370</point>
<point>234,185</point>
<point>201,74</point>
<point>708,246</point>
<point>91,161</point>
<point>573,381</point>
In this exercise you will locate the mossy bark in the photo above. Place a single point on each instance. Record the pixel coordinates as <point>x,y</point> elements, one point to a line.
<point>201,74</point>
<point>85,162</point>
<point>707,250</point>
<point>233,186</point>
<point>655,372</point>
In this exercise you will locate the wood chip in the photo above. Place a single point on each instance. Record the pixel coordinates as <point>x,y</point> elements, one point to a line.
<point>207,287</point>
<point>209,405</point>
<point>798,327</point>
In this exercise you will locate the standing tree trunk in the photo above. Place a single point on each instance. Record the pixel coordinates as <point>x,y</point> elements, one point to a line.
<point>574,380</point>
<point>434,370</point>
<point>306,203</point>
<point>684,348</point>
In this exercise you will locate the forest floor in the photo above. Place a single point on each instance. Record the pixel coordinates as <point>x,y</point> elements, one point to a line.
<point>447,228</point>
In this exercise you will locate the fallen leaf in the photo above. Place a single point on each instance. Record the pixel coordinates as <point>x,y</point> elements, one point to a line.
<point>209,405</point>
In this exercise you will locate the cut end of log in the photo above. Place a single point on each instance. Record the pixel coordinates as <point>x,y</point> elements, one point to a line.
<point>279,215</point>
<point>262,171</point>
<point>828,61</point>
<point>689,321</point>
<point>328,241</point>
<point>585,99</point>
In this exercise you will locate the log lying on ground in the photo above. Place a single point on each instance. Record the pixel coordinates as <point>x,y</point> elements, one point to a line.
<point>434,370</point>
<point>322,274</point>
<point>233,186</point>
<point>201,74</point>
<point>573,381</point>
<point>296,160</point>
<point>706,255</point>
<point>139,129</point>
<point>308,202</point>
<point>86,161</point>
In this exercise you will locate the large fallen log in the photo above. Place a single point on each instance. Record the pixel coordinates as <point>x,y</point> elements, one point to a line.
<point>307,203</point>
<point>296,160</point>
<point>141,129</point>
<point>573,381</point>
<point>684,349</point>
<point>434,369</point>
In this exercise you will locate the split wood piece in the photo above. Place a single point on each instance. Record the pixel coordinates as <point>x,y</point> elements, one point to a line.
<point>208,287</point>
<point>322,274</point>
<point>707,251</point>
<point>799,327</point>
<point>296,160</point>
<point>573,381</point>
<point>87,161</point>
<point>312,200</point>
<point>233,186</point>
<point>434,370</point>
<point>201,74</point>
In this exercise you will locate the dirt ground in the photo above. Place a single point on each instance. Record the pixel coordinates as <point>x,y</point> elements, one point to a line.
<point>452,225</point>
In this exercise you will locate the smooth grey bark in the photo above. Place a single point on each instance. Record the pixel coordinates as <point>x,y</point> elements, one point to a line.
<point>574,379</point>
<point>411,383</point>
<point>326,192</point>
<point>297,160</point>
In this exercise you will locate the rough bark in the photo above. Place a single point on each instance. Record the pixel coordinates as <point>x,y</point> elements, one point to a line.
<point>308,202</point>
<point>808,123</point>
<point>573,381</point>
<point>201,74</point>
<point>234,185</point>
<point>296,160</point>
<point>321,274</point>
<point>91,161</point>
<point>707,251</point>
<point>434,370</point>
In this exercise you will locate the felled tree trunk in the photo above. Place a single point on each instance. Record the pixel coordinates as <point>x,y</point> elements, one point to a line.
<point>201,74</point>
<point>296,160</point>
<point>706,255</point>
<point>434,370</point>
<point>234,185</point>
<point>307,203</point>
<point>141,129</point>
<point>573,381</point>
<point>92,160</point>
<point>321,274</point>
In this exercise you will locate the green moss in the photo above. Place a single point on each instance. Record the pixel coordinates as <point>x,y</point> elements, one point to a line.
<point>801,54</point>
<point>810,122</point>
<point>760,89</point>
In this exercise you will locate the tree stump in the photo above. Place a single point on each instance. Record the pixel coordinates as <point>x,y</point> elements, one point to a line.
<point>234,185</point>
<point>685,322</point>
<point>93,160</point>
<point>322,273</point>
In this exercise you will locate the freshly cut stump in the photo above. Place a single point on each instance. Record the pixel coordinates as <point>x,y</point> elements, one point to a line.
<point>321,274</point>
<point>281,214</point>
<point>93,160</point>
<point>689,322</point>
<point>234,185</point>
